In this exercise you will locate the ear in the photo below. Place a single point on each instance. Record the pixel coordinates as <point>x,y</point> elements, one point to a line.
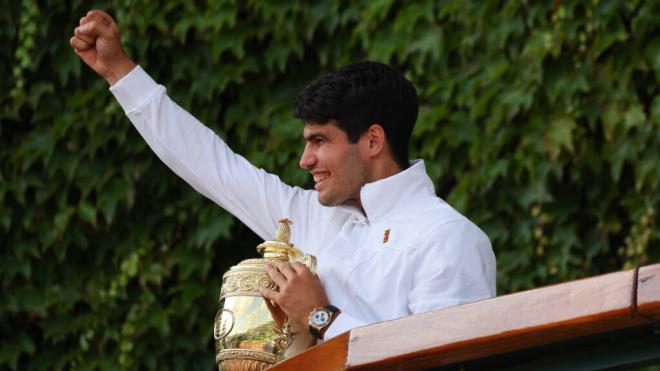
<point>375,140</point>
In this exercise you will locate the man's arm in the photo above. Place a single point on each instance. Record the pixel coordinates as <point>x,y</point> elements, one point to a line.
<point>184,144</point>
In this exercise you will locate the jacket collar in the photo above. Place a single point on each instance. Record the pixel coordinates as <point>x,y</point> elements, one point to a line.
<point>386,195</point>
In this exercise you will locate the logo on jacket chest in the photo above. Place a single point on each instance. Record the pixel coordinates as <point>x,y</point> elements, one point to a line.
<point>386,236</point>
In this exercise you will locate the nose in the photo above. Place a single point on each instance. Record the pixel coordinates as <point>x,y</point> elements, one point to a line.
<point>307,159</point>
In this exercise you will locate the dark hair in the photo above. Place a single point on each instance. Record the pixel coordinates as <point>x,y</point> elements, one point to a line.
<point>359,95</point>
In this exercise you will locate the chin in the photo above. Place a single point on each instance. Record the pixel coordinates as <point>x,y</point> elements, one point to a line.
<point>333,201</point>
<point>326,201</point>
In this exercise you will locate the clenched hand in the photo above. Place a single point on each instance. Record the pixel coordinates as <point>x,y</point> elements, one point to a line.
<point>96,41</point>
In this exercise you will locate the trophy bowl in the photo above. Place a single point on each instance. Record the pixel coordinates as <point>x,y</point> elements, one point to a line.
<point>247,336</point>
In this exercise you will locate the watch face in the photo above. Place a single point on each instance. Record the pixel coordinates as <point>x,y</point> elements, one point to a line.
<point>320,318</point>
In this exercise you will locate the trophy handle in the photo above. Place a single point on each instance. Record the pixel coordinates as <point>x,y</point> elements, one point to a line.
<point>220,328</point>
<point>308,260</point>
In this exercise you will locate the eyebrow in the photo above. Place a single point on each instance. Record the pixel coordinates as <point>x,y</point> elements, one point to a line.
<point>315,136</point>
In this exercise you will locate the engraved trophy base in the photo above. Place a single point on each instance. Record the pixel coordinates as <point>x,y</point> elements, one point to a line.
<point>244,360</point>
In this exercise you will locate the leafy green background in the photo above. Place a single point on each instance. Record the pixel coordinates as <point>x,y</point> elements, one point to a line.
<point>539,121</point>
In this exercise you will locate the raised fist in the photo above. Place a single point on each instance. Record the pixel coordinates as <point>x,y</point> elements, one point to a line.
<point>96,41</point>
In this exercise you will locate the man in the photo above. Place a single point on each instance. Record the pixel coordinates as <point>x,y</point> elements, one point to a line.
<point>387,247</point>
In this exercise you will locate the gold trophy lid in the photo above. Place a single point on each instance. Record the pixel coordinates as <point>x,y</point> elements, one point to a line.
<point>280,248</point>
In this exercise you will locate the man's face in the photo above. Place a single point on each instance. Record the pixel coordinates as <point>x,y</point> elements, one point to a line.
<point>337,165</point>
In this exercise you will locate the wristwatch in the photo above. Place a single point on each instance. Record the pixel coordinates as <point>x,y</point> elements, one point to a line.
<point>321,318</point>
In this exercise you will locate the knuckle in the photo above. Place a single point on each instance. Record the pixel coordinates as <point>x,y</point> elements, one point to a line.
<point>285,289</point>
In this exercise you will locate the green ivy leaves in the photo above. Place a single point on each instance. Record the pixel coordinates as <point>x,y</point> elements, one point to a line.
<point>539,121</point>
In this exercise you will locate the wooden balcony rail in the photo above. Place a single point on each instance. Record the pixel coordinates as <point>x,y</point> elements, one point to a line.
<point>495,326</point>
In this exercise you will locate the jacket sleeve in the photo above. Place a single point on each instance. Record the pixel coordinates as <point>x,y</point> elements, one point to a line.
<point>201,158</point>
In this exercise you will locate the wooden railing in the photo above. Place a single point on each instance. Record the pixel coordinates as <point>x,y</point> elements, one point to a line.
<point>495,326</point>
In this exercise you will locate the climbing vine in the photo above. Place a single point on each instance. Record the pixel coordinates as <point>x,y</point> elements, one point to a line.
<point>539,121</point>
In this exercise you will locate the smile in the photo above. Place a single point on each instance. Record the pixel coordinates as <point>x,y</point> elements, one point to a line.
<point>320,178</point>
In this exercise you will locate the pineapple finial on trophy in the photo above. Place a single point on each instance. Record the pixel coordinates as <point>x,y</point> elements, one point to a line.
<point>280,248</point>
<point>283,233</point>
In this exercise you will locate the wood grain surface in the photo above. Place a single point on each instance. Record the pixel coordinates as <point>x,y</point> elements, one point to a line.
<point>648,291</point>
<point>329,356</point>
<point>494,326</point>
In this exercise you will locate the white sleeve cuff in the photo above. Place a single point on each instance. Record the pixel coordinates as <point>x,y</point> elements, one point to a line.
<point>134,89</point>
<point>344,322</point>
